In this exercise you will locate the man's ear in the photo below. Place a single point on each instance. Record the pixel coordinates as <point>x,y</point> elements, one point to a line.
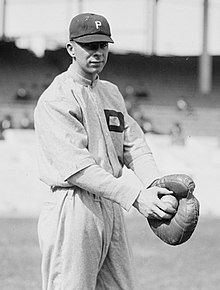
<point>70,49</point>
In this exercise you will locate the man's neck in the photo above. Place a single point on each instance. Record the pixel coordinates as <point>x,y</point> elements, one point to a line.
<point>80,78</point>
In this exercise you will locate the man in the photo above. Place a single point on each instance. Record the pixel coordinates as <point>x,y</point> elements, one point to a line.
<point>85,138</point>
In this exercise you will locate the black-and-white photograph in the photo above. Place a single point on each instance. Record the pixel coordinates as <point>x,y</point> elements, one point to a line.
<point>109,144</point>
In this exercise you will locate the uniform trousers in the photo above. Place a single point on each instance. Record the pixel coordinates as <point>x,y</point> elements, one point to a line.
<point>84,244</point>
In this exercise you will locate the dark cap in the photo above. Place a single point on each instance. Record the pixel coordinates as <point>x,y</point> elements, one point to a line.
<point>88,27</point>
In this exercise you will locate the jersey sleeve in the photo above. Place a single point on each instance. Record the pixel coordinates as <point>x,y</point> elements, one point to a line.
<point>62,138</point>
<point>137,154</point>
<point>95,179</point>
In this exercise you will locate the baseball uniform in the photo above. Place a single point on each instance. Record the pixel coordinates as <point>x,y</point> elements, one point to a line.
<point>84,132</point>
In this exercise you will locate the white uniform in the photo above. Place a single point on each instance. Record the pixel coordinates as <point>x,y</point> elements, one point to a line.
<point>84,131</point>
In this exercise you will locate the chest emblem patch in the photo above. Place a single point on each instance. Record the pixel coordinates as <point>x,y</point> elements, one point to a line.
<point>115,120</point>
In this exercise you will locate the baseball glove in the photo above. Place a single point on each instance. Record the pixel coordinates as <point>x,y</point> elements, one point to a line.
<point>180,227</point>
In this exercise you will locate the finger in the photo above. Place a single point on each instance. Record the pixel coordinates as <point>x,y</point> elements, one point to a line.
<point>166,207</point>
<point>153,216</point>
<point>163,190</point>
<point>163,215</point>
<point>152,213</point>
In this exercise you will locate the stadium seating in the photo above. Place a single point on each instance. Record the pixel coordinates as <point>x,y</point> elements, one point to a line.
<point>158,83</point>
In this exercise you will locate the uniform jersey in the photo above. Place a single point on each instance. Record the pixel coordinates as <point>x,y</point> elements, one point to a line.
<point>83,126</point>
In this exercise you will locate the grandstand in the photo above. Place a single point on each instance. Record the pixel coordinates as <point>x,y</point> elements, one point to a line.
<point>158,83</point>
<point>21,68</point>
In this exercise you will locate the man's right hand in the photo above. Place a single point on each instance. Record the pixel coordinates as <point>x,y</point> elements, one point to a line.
<point>149,204</point>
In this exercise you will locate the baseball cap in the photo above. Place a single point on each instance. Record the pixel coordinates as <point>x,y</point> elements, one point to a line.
<point>89,27</point>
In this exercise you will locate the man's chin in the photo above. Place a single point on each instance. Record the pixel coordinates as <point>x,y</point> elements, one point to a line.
<point>96,70</point>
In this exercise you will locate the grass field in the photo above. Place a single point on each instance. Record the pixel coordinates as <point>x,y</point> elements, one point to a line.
<point>193,265</point>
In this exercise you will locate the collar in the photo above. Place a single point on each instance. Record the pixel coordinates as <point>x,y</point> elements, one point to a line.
<point>80,79</point>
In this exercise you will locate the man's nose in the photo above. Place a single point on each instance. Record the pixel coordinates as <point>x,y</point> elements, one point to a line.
<point>98,51</point>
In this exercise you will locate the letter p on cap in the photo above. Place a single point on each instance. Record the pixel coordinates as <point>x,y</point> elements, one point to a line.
<point>97,24</point>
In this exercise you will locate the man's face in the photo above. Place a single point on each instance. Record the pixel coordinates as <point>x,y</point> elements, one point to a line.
<point>90,57</point>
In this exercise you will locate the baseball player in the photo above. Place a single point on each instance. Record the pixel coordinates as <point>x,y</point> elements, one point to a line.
<point>85,137</point>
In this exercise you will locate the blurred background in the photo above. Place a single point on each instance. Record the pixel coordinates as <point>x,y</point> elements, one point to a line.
<point>166,63</point>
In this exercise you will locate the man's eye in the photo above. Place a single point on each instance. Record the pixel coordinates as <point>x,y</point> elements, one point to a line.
<point>103,45</point>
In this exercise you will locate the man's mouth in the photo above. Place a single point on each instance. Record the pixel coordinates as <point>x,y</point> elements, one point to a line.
<point>96,61</point>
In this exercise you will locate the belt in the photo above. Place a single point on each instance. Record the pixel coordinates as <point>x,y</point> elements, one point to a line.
<point>54,188</point>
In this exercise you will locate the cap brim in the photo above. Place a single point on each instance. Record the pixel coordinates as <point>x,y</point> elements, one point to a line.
<point>93,38</point>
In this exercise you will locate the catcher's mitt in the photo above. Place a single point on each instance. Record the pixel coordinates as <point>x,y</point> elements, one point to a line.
<point>180,227</point>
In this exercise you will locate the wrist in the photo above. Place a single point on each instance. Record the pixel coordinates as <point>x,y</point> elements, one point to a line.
<point>136,203</point>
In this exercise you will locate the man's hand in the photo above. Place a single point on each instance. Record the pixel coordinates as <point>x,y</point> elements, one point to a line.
<point>149,204</point>
<point>181,226</point>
